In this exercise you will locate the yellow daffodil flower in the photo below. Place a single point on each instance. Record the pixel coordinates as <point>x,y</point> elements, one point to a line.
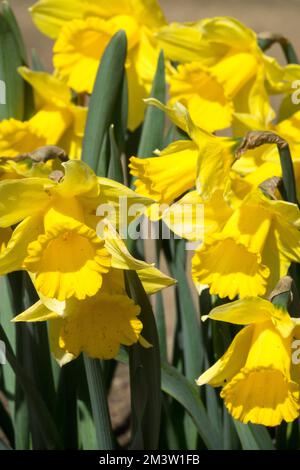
<point>204,161</point>
<point>56,237</point>
<point>83,30</point>
<point>253,250</point>
<point>222,69</point>
<point>260,384</point>
<point>57,120</point>
<point>73,323</point>
<point>288,129</point>
<point>208,96</point>
<point>195,219</point>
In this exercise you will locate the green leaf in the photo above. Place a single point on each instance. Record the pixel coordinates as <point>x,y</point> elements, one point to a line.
<point>33,353</point>
<point>36,62</point>
<point>12,86</point>
<point>115,170</point>
<point>86,427</point>
<point>6,314</point>
<point>103,101</point>
<point>120,115</point>
<point>21,412</point>
<point>145,378</point>
<point>253,437</point>
<point>193,352</point>
<point>159,305</point>
<point>161,325</point>
<point>10,18</point>
<point>174,384</point>
<point>188,331</point>
<point>288,175</point>
<point>36,403</point>
<point>94,375</point>
<point>152,137</point>
<point>67,404</point>
<point>6,424</point>
<point>230,437</point>
<point>290,53</point>
<point>168,432</point>
<point>286,46</point>
<point>39,350</point>
<point>177,386</point>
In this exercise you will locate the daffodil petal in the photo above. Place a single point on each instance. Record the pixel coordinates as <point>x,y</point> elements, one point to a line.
<point>50,15</point>
<point>21,198</point>
<point>37,312</point>
<point>13,255</point>
<point>114,319</point>
<point>48,87</point>
<point>62,357</point>
<point>231,362</point>
<point>18,137</point>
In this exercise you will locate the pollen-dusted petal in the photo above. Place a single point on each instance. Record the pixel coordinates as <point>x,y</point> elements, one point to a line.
<point>204,96</point>
<point>168,176</point>
<point>68,260</point>
<point>229,269</point>
<point>100,325</point>
<point>262,396</point>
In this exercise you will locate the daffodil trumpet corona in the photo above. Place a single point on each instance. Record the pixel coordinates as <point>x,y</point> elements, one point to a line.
<point>259,379</point>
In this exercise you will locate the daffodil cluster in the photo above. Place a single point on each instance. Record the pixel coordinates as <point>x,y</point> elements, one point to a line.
<point>49,229</point>
<point>220,87</point>
<point>220,79</point>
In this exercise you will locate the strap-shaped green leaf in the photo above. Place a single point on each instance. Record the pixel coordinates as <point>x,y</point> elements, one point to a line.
<point>94,375</point>
<point>12,86</point>
<point>253,437</point>
<point>174,384</point>
<point>152,137</point>
<point>145,373</point>
<point>36,403</point>
<point>103,101</point>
